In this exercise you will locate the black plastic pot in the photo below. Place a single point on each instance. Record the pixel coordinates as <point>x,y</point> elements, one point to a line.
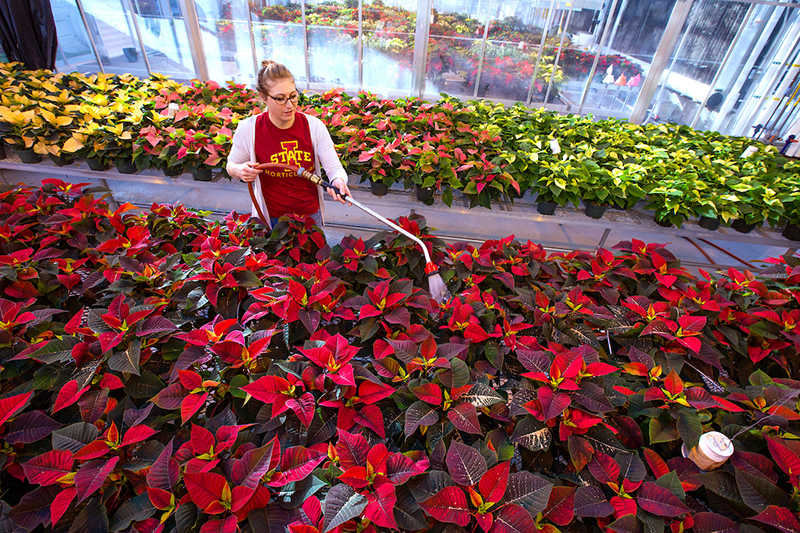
<point>708,223</point>
<point>125,166</point>
<point>423,193</point>
<point>792,232</point>
<point>2,151</point>
<point>594,211</point>
<point>741,226</point>
<point>546,208</point>
<point>202,174</point>
<point>663,222</point>
<point>378,188</point>
<point>177,171</point>
<point>28,156</point>
<point>60,161</point>
<point>95,164</point>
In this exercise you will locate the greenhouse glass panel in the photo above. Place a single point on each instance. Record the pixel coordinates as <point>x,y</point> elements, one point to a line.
<point>511,53</point>
<point>74,47</point>
<point>278,34</point>
<point>388,46</point>
<point>164,34</point>
<point>723,51</point>
<point>225,30</point>
<point>455,44</point>
<point>616,47</point>
<point>112,31</point>
<point>333,44</point>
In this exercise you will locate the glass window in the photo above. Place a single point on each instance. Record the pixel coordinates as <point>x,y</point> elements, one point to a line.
<point>455,45</point>
<point>278,34</point>
<point>388,46</point>
<point>164,34</point>
<point>225,30</point>
<point>614,43</point>
<point>74,48</point>
<point>712,71</point>
<point>113,33</point>
<point>512,50</point>
<point>333,43</point>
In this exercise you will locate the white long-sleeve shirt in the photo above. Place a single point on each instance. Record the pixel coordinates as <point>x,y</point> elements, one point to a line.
<point>244,151</point>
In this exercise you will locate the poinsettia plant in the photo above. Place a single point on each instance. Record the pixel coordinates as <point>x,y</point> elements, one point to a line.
<point>164,371</point>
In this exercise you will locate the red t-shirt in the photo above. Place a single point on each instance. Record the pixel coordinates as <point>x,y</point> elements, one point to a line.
<point>284,191</point>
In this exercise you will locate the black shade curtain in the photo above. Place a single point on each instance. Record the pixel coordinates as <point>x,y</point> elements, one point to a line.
<point>28,32</point>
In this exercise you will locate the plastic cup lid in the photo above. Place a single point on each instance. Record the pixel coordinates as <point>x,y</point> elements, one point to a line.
<point>716,446</point>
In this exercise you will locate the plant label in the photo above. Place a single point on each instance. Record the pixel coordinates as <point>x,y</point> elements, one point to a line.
<point>749,151</point>
<point>172,108</point>
<point>554,146</point>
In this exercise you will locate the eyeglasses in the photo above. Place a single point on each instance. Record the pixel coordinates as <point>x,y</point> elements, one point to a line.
<point>281,100</point>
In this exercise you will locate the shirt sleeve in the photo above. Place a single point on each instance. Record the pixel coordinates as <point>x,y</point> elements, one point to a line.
<point>241,151</point>
<point>326,152</point>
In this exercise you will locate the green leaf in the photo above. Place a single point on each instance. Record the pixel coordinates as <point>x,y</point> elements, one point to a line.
<point>603,440</point>
<point>759,492</point>
<point>127,360</point>
<point>134,510</point>
<point>237,382</point>
<point>672,483</point>
<point>528,490</point>
<point>145,386</point>
<point>689,428</point>
<point>661,431</point>
<point>341,504</point>
<point>721,484</point>
<point>481,395</point>
<point>57,350</point>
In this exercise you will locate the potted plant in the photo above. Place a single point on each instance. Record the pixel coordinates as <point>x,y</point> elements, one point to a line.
<point>19,129</point>
<point>557,184</point>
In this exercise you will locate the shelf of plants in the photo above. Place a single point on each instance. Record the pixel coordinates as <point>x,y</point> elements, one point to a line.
<point>162,372</point>
<point>481,149</point>
<point>454,221</point>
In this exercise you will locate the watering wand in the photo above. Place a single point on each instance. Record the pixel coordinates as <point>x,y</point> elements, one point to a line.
<point>436,285</point>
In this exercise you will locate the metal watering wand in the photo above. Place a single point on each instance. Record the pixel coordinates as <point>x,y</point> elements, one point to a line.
<point>436,285</point>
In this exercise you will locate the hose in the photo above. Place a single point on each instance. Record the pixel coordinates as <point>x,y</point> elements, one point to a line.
<point>437,287</point>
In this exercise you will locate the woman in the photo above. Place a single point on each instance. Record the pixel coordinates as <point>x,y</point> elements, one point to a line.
<point>282,135</point>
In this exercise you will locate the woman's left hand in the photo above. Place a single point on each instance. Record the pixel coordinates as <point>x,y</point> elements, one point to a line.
<point>341,186</point>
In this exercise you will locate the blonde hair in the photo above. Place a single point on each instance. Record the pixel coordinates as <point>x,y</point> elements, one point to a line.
<point>269,74</point>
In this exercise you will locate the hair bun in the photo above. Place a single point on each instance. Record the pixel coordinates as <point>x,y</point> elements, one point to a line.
<point>266,63</point>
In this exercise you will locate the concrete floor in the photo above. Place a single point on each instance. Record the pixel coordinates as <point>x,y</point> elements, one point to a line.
<point>567,230</point>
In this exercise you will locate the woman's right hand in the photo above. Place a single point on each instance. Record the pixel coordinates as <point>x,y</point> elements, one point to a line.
<point>244,171</point>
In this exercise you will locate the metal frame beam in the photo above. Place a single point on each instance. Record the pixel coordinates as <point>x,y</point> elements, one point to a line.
<point>189,14</point>
<point>663,53</point>
<point>90,36</point>
<point>139,36</point>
